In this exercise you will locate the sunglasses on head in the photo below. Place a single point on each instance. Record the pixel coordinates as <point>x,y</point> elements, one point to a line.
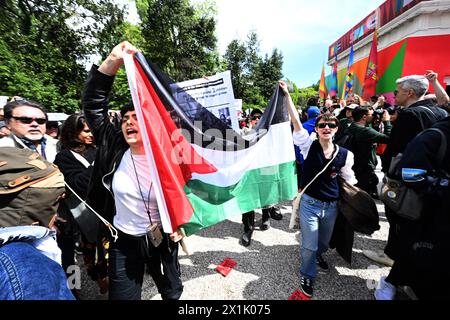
<point>331,125</point>
<point>28,120</point>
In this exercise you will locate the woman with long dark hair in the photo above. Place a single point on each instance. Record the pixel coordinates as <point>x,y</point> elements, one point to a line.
<point>76,162</point>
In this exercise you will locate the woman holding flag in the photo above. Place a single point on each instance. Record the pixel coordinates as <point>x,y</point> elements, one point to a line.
<point>121,188</point>
<point>324,162</point>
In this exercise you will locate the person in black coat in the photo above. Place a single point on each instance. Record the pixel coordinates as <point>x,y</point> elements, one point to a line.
<point>423,243</point>
<point>416,115</point>
<point>75,162</point>
<point>125,196</point>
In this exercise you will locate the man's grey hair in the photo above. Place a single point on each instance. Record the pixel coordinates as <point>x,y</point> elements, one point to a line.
<point>419,84</point>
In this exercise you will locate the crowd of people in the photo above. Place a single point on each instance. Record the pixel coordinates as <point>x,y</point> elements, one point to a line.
<point>103,161</point>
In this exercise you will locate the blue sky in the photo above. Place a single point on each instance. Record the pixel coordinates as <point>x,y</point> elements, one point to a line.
<point>301,29</point>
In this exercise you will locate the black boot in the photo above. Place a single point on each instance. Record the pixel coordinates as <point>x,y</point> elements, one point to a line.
<point>265,222</point>
<point>275,213</point>
<point>248,219</point>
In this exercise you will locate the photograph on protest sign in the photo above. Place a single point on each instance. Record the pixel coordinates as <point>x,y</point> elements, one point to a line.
<point>215,93</point>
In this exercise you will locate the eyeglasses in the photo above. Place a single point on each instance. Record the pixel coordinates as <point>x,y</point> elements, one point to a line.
<point>331,125</point>
<point>28,120</point>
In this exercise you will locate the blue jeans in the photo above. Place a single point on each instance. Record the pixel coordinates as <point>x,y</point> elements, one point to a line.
<point>316,223</point>
<point>27,274</point>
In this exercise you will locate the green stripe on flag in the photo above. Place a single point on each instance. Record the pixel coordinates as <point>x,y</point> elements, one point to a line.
<point>256,189</point>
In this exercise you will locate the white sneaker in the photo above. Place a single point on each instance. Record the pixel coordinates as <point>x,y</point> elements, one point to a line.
<point>385,290</point>
<point>378,256</point>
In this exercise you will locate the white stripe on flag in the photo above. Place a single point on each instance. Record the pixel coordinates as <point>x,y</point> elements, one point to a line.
<point>275,148</point>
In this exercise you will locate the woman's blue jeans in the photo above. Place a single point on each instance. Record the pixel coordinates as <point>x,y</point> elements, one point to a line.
<point>316,223</point>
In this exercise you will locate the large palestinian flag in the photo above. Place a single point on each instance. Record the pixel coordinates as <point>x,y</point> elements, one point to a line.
<point>203,171</point>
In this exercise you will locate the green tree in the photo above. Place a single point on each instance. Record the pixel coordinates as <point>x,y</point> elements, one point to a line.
<point>179,37</point>
<point>305,94</point>
<point>269,72</point>
<point>253,77</point>
<point>44,45</point>
<point>235,57</point>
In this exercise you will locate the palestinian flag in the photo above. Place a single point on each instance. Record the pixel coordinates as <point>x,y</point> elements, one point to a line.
<point>203,171</point>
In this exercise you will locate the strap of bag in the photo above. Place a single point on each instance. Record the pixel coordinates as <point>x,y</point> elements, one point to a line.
<point>428,110</point>
<point>294,221</point>
<point>111,228</point>
<point>80,158</point>
<point>442,148</point>
<point>323,170</point>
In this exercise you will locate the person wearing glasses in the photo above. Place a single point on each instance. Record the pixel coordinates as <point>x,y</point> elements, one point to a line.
<point>121,189</point>
<point>26,121</point>
<point>318,205</point>
<point>271,211</point>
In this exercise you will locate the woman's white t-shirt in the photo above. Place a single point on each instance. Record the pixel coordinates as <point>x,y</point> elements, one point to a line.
<point>131,215</point>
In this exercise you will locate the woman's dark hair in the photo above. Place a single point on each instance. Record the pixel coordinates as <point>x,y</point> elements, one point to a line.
<point>128,107</point>
<point>70,130</point>
<point>327,117</point>
<point>312,102</point>
<point>10,106</point>
<point>255,111</point>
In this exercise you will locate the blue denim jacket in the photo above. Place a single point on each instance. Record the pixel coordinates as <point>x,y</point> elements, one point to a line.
<point>27,267</point>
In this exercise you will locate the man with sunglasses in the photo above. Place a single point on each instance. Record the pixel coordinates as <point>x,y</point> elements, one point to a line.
<point>26,120</point>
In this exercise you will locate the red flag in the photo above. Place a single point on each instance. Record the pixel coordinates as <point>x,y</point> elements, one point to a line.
<point>371,77</point>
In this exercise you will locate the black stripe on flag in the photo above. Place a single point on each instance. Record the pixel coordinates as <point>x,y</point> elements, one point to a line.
<point>187,115</point>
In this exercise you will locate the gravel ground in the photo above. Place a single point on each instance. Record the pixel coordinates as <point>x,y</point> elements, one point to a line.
<point>268,269</point>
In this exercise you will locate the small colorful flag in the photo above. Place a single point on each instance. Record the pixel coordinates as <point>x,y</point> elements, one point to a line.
<point>334,83</point>
<point>371,77</point>
<point>349,77</point>
<point>322,87</point>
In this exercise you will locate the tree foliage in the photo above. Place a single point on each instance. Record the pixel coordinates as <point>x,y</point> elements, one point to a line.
<point>179,37</point>
<point>253,77</point>
<point>44,45</point>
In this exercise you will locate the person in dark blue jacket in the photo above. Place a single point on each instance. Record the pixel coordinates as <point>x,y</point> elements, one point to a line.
<point>318,206</point>
<point>424,243</point>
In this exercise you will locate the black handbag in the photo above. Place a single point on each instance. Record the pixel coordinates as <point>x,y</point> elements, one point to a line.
<point>358,207</point>
<point>85,218</point>
<point>397,196</point>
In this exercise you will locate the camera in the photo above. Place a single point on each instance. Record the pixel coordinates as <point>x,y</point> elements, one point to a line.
<point>378,112</point>
<point>154,235</point>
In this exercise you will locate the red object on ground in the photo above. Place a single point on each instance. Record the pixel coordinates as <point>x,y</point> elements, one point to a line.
<point>298,295</point>
<point>226,266</point>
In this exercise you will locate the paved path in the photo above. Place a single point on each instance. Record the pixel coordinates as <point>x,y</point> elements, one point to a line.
<point>269,268</point>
